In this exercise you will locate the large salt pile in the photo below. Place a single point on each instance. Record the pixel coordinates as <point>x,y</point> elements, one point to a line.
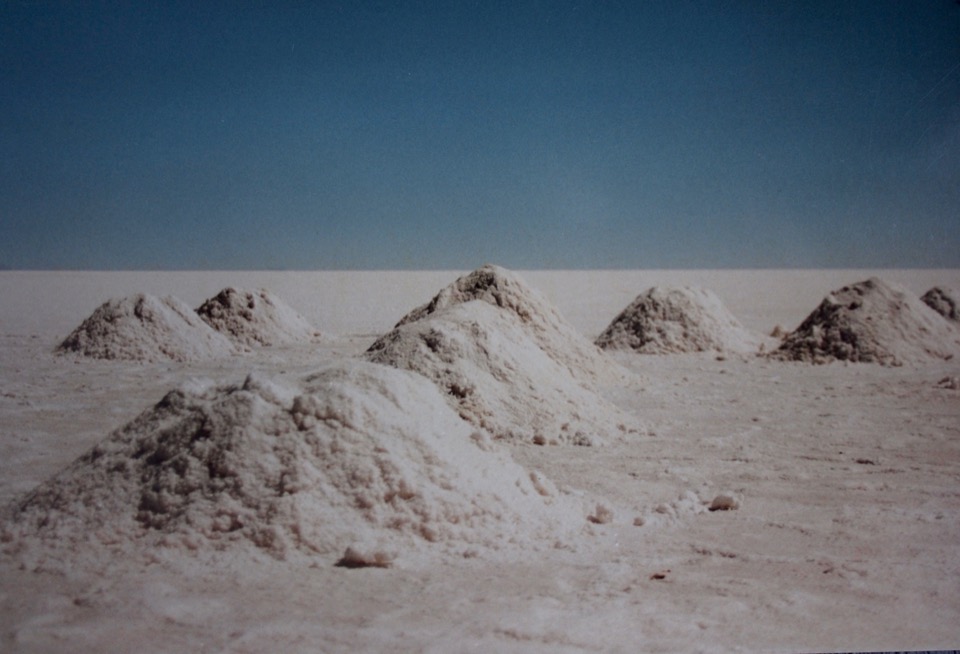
<point>255,318</point>
<point>671,320</point>
<point>507,362</point>
<point>361,464</point>
<point>146,328</point>
<point>505,290</point>
<point>871,321</point>
<point>945,301</point>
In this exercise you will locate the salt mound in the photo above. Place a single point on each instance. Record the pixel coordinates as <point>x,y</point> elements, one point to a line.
<point>871,321</point>
<point>672,320</point>
<point>360,464</point>
<point>497,374</point>
<point>255,318</point>
<point>505,290</point>
<point>945,301</point>
<point>146,328</point>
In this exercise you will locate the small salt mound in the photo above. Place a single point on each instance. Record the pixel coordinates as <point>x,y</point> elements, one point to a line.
<point>945,301</point>
<point>673,320</point>
<point>146,328</point>
<point>255,318</point>
<point>497,375</point>
<point>871,321</point>
<point>361,464</point>
<point>551,332</point>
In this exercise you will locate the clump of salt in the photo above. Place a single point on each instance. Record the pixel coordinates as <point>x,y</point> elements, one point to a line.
<point>359,464</point>
<point>146,328</point>
<point>666,320</point>
<point>255,318</point>
<point>724,502</point>
<point>873,322</point>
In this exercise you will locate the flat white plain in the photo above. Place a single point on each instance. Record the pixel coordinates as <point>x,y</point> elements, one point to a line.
<point>847,535</point>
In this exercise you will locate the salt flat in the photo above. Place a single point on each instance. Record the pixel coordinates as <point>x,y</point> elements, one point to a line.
<point>845,538</point>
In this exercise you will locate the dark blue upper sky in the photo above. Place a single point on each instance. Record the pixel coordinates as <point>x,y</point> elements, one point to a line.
<point>534,134</point>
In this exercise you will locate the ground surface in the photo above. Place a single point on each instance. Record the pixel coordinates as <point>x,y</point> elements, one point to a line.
<point>847,536</point>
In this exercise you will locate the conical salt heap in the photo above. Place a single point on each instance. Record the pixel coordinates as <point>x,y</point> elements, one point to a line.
<point>871,322</point>
<point>146,328</point>
<point>506,290</point>
<point>945,301</point>
<point>360,464</point>
<point>508,362</point>
<point>256,318</point>
<point>665,320</point>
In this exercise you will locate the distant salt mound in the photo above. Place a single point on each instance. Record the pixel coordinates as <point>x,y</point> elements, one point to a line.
<point>256,318</point>
<point>871,322</point>
<point>497,374</point>
<point>505,290</point>
<point>945,301</point>
<point>675,320</point>
<point>361,464</point>
<point>146,328</point>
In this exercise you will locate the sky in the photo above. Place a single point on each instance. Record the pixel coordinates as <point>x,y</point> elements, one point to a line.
<point>443,135</point>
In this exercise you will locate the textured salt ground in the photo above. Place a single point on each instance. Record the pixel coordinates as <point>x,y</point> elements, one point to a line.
<point>256,319</point>
<point>145,328</point>
<point>795,569</point>
<point>872,322</point>
<point>828,552</point>
<point>668,320</point>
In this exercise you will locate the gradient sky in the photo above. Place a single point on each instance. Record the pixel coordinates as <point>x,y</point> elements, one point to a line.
<point>443,135</point>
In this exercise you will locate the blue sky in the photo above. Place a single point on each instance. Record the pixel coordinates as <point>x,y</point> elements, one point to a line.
<point>443,135</point>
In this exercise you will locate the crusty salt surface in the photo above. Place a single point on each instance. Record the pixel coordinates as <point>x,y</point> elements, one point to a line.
<point>361,464</point>
<point>146,328</point>
<point>496,374</point>
<point>873,322</point>
<point>945,301</point>
<point>551,332</point>
<point>667,320</point>
<point>256,318</point>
